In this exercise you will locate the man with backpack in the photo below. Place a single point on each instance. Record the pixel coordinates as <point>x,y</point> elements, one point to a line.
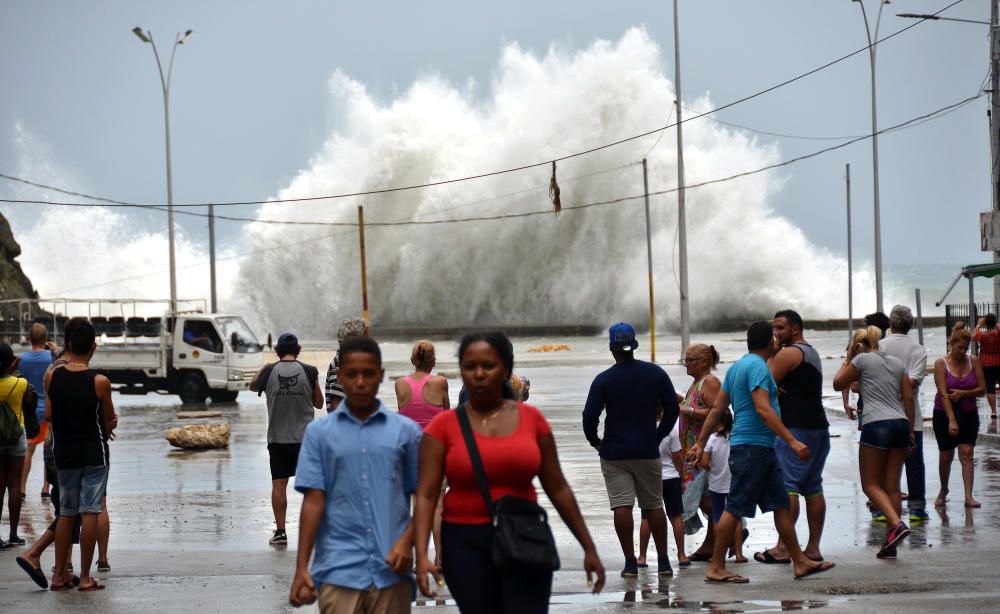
<point>13,439</point>
<point>292,391</point>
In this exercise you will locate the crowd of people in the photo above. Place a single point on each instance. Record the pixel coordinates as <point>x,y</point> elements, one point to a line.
<point>379,486</point>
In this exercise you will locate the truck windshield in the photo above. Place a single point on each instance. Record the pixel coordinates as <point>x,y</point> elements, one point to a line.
<point>238,334</point>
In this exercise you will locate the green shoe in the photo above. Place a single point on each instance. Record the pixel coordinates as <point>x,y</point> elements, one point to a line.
<point>919,516</point>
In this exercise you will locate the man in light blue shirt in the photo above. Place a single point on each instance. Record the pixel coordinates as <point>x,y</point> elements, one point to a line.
<point>357,469</point>
<point>757,480</point>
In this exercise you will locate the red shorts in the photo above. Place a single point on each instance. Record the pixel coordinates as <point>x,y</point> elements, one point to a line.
<point>43,432</point>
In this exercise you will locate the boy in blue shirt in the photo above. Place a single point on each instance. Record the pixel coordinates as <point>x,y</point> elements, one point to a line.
<point>757,479</point>
<point>357,469</point>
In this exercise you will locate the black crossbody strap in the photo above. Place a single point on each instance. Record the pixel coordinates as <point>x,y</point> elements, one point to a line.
<point>477,461</point>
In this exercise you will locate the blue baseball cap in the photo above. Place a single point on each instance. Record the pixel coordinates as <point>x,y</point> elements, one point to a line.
<point>287,339</point>
<point>622,337</point>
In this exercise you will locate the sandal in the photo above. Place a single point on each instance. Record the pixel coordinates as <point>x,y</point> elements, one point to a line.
<point>768,559</point>
<point>700,557</point>
<point>729,580</point>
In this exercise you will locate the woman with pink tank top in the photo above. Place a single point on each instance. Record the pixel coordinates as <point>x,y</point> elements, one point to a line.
<point>420,396</point>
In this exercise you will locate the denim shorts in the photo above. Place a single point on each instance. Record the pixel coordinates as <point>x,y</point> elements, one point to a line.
<point>82,491</point>
<point>886,434</point>
<point>757,481</point>
<point>18,449</point>
<point>804,477</point>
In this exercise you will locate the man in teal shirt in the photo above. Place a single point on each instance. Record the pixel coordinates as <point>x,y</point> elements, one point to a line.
<point>757,480</point>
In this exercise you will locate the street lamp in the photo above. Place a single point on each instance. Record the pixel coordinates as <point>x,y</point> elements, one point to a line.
<point>878,215</point>
<point>179,39</point>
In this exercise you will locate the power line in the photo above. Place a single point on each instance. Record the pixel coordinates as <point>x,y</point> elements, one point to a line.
<point>912,122</point>
<point>513,169</point>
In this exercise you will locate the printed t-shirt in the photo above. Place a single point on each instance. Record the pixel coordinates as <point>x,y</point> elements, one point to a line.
<point>289,391</point>
<point>670,445</point>
<point>719,475</point>
<point>511,463</point>
<point>746,375</point>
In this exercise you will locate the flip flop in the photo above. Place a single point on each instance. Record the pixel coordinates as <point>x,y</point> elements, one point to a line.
<point>818,559</point>
<point>61,587</point>
<point>96,586</point>
<point>35,573</point>
<point>684,564</point>
<point>729,580</point>
<point>817,569</point>
<point>768,559</point>
<point>700,557</point>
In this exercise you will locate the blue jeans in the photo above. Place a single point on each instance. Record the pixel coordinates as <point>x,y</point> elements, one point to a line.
<point>82,491</point>
<point>915,484</point>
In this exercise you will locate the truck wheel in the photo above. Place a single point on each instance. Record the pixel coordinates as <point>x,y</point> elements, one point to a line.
<point>224,396</point>
<point>193,389</point>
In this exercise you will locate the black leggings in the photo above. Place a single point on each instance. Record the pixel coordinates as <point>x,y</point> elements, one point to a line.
<point>475,582</point>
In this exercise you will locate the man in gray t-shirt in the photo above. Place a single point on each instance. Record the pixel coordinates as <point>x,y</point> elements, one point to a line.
<point>292,393</point>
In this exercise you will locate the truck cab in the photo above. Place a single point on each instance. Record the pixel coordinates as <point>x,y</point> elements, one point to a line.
<point>213,356</point>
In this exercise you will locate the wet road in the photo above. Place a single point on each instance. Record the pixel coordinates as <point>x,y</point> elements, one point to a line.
<point>190,529</point>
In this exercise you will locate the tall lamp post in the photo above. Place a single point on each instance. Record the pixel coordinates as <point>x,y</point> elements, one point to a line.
<point>878,216</point>
<point>179,39</point>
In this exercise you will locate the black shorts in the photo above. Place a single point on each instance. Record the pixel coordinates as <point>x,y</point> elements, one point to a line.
<point>284,459</point>
<point>968,429</point>
<point>992,375</point>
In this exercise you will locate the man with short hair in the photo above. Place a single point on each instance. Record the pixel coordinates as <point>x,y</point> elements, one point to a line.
<point>631,392</point>
<point>798,371</point>
<point>33,365</point>
<point>357,473</point>
<point>757,479</point>
<point>914,356</point>
<point>292,391</point>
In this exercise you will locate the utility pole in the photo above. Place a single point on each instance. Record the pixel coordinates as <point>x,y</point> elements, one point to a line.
<point>364,269</point>
<point>850,265</point>
<point>649,262</point>
<point>995,124</point>
<point>681,217</point>
<point>211,255</point>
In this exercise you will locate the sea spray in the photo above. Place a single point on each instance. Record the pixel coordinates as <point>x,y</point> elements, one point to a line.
<point>584,266</point>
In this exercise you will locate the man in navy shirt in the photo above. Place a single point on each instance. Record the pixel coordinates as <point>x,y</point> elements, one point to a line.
<point>630,393</point>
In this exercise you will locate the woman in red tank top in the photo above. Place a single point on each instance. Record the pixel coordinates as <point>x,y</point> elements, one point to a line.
<point>516,445</point>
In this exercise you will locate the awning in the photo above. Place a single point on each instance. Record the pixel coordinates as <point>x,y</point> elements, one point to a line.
<point>971,271</point>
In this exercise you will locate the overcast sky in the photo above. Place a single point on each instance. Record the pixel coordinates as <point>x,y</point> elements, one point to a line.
<point>250,103</point>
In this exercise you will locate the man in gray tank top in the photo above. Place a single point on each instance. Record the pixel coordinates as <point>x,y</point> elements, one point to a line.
<point>798,370</point>
<point>292,392</point>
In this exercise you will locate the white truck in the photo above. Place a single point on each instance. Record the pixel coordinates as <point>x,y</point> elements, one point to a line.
<point>191,353</point>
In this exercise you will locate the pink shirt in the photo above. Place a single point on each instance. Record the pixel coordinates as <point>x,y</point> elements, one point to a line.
<point>418,409</point>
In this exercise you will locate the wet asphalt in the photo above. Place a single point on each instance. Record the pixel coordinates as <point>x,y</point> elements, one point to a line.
<point>190,529</point>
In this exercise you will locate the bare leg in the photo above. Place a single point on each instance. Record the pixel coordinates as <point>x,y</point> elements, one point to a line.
<point>992,400</point>
<point>677,524</point>
<point>658,527</point>
<point>965,453</point>
<point>945,458</point>
<point>64,544</point>
<point>103,532</point>
<point>779,551</point>
<point>891,479</point>
<point>707,546</point>
<point>27,467</point>
<point>786,530</point>
<point>4,463</point>
<point>13,473</point>
<point>624,526</point>
<point>88,539</point>
<point>279,502</point>
<point>872,463</point>
<point>643,540</point>
<point>723,539</point>
<point>816,517</point>
<point>738,543</point>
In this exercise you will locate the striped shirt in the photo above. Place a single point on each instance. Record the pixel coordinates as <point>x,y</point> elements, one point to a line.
<point>333,388</point>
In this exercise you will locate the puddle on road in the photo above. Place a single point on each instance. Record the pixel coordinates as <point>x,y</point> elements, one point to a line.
<point>669,601</point>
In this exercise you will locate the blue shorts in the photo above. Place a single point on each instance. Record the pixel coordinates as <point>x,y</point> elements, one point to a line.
<point>757,481</point>
<point>804,477</point>
<point>82,491</point>
<point>18,449</point>
<point>886,434</point>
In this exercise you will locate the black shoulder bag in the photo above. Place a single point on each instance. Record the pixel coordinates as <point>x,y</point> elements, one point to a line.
<point>522,538</point>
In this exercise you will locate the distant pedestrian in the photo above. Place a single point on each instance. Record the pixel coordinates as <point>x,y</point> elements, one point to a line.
<point>757,480</point>
<point>798,371</point>
<point>357,471</point>
<point>421,396</point>
<point>631,392</point>
<point>988,338</point>
<point>515,445</point>
<point>83,419</point>
<point>292,391</point>
<point>887,426</point>
<point>960,381</point>
<point>715,459</point>
<point>898,343</point>
<point>33,365</point>
<point>350,327</point>
<point>699,361</point>
<point>14,443</point>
